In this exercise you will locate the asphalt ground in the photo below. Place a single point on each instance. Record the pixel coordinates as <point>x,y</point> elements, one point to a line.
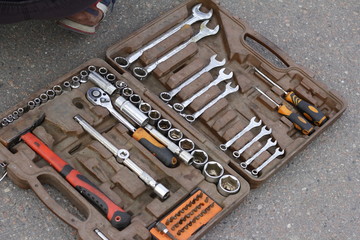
<point>317,194</point>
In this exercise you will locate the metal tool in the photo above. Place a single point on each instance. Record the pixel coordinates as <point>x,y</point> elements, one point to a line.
<point>179,107</point>
<point>51,94</point>
<point>120,84</point>
<point>162,228</point>
<point>144,107</point>
<point>167,96</point>
<point>15,115</point>
<point>43,97</point>
<point>270,143</point>
<point>75,83</point>
<point>98,97</point>
<point>122,156</point>
<point>135,99</point>
<point>84,76</point>
<point>126,92</point>
<point>4,173</point>
<point>200,158</point>
<point>311,112</point>
<point>228,184</point>
<point>57,90</point>
<point>154,116</point>
<point>228,90</point>
<point>252,124</point>
<point>101,82</point>
<point>116,215</point>
<point>31,105</point>
<point>103,71</point>
<point>175,135</point>
<point>164,126</point>
<point>186,144</point>
<point>277,153</point>
<point>37,102</point>
<point>131,111</point>
<point>21,111</point>
<point>141,73</point>
<point>196,16</point>
<point>100,234</point>
<point>264,131</point>
<point>299,122</point>
<point>91,68</point>
<point>66,86</point>
<point>110,77</point>
<point>213,171</point>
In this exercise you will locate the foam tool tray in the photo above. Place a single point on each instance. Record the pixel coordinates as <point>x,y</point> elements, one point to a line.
<point>251,59</point>
<point>52,121</point>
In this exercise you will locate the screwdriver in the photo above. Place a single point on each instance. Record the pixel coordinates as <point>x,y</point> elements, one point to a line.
<point>310,111</point>
<point>100,98</point>
<point>299,122</point>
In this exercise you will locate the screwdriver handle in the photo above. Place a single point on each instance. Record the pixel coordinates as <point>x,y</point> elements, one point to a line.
<point>156,148</point>
<point>299,122</point>
<point>116,215</point>
<point>309,111</point>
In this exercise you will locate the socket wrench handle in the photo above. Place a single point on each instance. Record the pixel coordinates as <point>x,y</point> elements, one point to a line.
<point>122,156</point>
<point>116,215</point>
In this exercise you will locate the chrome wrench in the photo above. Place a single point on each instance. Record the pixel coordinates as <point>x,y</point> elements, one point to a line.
<point>122,156</point>
<point>196,16</point>
<point>277,153</point>
<point>179,107</point>
<point>251,125</point>
<point>141,73</point>
<point>167,96</point>
<point>227,91</point>
<point>264,131</point>
<point>268,145</point>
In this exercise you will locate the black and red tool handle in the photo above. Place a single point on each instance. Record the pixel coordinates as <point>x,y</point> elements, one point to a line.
<point>115,214</point>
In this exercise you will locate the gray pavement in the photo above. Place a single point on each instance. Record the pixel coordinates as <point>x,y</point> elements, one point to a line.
<point>316,196</point>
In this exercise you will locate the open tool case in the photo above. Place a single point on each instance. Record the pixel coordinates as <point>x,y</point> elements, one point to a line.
<point>182,214</point>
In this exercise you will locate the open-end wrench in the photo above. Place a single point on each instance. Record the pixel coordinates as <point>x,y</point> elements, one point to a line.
<point>227,91</point>
<point>179,107</point>
<point>141,73</point>
<point>196,16</point>
<point>251,125</point>
<point>122,156</point>
<point>167,96</point>
<point>277,153</point>
<point>268,145</point>
<point>98,97</point>
<point>264,131</point>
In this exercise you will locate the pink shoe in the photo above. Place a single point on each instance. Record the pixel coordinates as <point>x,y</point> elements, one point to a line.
<point>85,22</point>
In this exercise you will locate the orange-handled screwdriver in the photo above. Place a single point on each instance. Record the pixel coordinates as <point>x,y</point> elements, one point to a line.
<point>299,122</point>
<point>310,111</point>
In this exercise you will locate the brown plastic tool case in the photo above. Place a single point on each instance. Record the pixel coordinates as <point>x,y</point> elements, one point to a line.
<point>187,185</point>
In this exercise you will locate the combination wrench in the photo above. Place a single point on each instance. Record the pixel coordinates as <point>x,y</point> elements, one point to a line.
<point>227,91</point>
<point>179,107</point>
<point>277,153</point>
<point>251,125</point>
<point>122,157</point>
<point>98,97</point>
<point>141,73</point>
<point>196,16</point>
<point>264,131</point>
<point>270,143</point>
<point>167,96</point>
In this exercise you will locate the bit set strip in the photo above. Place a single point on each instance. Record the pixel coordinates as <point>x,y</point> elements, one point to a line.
<point>186,219</point>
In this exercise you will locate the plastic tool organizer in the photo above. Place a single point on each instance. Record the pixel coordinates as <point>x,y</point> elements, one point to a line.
<point>189,188</point>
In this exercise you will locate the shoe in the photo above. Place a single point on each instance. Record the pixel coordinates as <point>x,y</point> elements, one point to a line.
<point>85,22</point>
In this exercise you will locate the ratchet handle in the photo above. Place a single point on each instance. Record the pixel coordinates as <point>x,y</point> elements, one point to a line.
<point>156,148</point>
<point>116,215</point>
<point>309,111</point>
<point>299,122</point>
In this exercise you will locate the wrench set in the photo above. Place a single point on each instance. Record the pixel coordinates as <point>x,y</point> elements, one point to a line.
<point>168,136</point>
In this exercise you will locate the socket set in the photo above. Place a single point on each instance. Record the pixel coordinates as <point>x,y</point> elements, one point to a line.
<point>167,137</point>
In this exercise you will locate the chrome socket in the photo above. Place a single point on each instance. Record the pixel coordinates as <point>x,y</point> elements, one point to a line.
<point>127,92</point>
<point>213,171</point>
<point>66,86</point>
<point>50,93</point>
<point>84,76</point>
<point>44,98</point>
<point>57,90</point>
<point>154,117</point>
<point>4,122</point>
<point>31,105</point>
<point>101,82</point>
<point>37,102</point>
<point>135,99</point>
<point>200,158</point>
<point>91,68</point>
<point>10,118</point>
<point>120,84</point>
<point>15,115</point>
<point>103,70</point>
<point>175,135</point>
<point>75,82</point>
<point>144,107</point>
<point>186,144</point>
<point>164,126</point>
<point>110,77</point>
<point>131,111</point>
<point>228,184</point>
<point>20,111</point>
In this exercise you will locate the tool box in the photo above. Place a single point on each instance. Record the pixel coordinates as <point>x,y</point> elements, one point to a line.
<point>213,94</point>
